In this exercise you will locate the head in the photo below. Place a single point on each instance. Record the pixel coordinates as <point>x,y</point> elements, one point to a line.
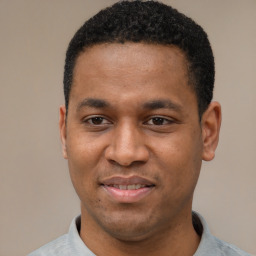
<point>148,22</point>
<point>138,119</point>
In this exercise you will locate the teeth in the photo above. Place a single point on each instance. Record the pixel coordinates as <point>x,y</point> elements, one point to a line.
<point>129,187</point>
<point>139,186</point>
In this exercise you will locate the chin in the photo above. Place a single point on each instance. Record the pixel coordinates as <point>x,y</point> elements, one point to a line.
<point>128,228</point>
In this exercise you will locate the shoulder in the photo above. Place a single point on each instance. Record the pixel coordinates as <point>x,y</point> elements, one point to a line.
<point>212,246</point>
<point>56,247</point>
<point>228,249</point>
<point>66,245</point>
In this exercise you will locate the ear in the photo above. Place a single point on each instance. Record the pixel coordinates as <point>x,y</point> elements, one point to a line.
<point>62,127</point>
<point>210,123</point>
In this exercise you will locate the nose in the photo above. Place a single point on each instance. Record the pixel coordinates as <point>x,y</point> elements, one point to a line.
<point>127,146</point>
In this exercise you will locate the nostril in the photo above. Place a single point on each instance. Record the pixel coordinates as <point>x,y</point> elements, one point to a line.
<point>117,163</point>
<point>127,147</point>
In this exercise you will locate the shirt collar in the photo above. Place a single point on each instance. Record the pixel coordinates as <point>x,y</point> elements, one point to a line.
<point>208,244</point>
<point>76,244</point>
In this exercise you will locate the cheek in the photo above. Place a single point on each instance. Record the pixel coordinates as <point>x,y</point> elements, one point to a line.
<point>180,157</point>
<point>84,151</point>
<point>83,158</point>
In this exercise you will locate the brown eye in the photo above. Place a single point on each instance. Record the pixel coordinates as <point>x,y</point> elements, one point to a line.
<point>158,121</point>
<point>97,120</point>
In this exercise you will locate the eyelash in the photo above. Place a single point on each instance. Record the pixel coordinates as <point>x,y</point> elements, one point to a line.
<point>165,121</point>
<point>160,118</point>
<point>90,120</point>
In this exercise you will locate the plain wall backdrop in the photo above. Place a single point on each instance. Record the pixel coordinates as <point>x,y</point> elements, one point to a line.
<point>37,199</point>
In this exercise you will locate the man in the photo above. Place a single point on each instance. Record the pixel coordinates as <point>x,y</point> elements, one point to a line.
<point>138,120</point>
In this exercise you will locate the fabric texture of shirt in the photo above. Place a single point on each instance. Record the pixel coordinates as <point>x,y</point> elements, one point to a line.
<point>71,244</point>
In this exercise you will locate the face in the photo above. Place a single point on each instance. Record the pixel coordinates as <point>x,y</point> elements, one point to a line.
<point>133,138</point>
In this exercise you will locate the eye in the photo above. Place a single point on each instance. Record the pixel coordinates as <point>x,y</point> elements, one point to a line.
<point>97,120</point>
<point>159,121</point>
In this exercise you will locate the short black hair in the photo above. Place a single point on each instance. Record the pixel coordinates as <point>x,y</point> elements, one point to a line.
<point>148,22</point>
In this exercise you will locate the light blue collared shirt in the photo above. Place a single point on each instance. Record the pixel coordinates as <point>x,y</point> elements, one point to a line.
<point>71,244</point>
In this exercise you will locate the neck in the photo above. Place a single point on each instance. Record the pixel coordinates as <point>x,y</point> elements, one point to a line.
<point>180,239</point>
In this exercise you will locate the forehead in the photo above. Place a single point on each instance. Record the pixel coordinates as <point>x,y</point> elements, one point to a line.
<point>146,71</point>
<point>138,58</point>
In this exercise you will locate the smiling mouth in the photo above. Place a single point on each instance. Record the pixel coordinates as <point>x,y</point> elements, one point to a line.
<point>127,189</point>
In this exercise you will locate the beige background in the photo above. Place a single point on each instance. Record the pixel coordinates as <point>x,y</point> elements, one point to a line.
<point>36,197</point>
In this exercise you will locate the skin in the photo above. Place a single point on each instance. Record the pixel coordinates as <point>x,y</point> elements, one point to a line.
<point>128,135</point>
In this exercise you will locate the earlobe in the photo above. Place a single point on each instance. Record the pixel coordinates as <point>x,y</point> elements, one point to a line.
<point>62,128</point>
<point>211,121</point>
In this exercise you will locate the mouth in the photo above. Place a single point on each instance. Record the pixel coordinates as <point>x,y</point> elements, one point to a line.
<point>127,189</point>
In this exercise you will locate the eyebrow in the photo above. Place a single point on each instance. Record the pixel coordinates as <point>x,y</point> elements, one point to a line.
<point>158,104</point>
<point>150,105</point>
<point>92,103</point>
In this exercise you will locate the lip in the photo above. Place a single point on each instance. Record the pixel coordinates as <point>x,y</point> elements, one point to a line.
<point>123,180</point>
<point>129,195</point>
